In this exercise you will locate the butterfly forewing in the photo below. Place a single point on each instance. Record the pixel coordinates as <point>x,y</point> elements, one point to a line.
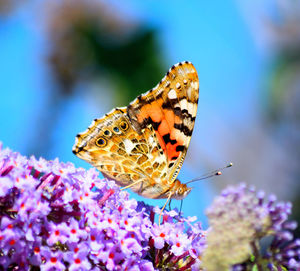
<point>170,108</point>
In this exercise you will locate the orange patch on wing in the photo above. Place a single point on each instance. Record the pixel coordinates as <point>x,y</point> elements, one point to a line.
<point>169,116</point>
<point>178,120</point>
<point>156,116</point>
<point>143,114</point>
<point>163,128</point>
<point>171,151</point>
<point>152,110</point>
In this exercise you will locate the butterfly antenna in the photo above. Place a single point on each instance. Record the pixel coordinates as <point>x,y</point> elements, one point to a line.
<point>216,172</point>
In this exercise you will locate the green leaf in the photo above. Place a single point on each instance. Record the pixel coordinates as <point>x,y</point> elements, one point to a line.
<point>252,258</point>
<point>254,268</point>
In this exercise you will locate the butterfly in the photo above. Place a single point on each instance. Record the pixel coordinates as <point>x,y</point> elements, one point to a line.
<point>143,146</point>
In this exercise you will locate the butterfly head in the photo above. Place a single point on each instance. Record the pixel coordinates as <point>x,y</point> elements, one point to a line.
<point>180,190</point>
<point>97,141</point>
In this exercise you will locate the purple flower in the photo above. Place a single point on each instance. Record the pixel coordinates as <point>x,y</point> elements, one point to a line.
<point>53,261</point>
<point>240,218</point>
<point>58,233</point>
<point>36,257</point>
<point>74,231</point>
<point>80,262</point>
<point>57,217</point>
<point>160,234</point>
<point>77,257</point>
<point>54,216</point>
<point>180,244</point>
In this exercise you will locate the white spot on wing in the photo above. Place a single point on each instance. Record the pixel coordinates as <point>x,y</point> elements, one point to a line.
<point>128,145</point>
<point>193,111</point>
<point>183,104</point>
<point>190,92</point>
<point>172,94</point>
<point>151,140</point>
<point>181,71</point>
<point>195,85</point>
<point>191,108</point>
<point>160,159</point>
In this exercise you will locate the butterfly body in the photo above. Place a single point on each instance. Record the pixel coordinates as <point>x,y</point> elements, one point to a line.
<point>143,145</point>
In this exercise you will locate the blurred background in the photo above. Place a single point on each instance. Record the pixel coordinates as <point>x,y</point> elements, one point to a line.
<point>64,63</point>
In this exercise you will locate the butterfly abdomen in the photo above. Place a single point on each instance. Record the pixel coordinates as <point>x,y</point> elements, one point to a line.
<point>177,190</point>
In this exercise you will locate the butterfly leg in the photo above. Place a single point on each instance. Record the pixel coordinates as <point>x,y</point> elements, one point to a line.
<point>181,203</point>
<point>170,208</point>
<point>162,209</point>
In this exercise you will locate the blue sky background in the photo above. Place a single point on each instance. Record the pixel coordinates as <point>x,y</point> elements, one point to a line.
<point>214,35</point>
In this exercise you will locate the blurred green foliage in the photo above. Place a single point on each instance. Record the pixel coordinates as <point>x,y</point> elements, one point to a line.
<point>284,78</point>
<point>283,108</point>
<point>89,42</point>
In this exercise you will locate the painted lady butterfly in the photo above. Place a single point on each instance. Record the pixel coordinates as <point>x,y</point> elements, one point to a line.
<point>143,145</point>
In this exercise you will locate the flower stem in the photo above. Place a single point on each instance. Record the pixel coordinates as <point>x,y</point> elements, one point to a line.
<point>256,255</point>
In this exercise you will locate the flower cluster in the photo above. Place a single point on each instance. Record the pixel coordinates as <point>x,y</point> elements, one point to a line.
<point>54,216</point>
<point>241,220</point>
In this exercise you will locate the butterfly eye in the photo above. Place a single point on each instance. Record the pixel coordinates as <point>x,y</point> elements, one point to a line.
<point>124,125</point>
<point>101,142</point>
<point>107,133</point>
<point>116,129</point>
